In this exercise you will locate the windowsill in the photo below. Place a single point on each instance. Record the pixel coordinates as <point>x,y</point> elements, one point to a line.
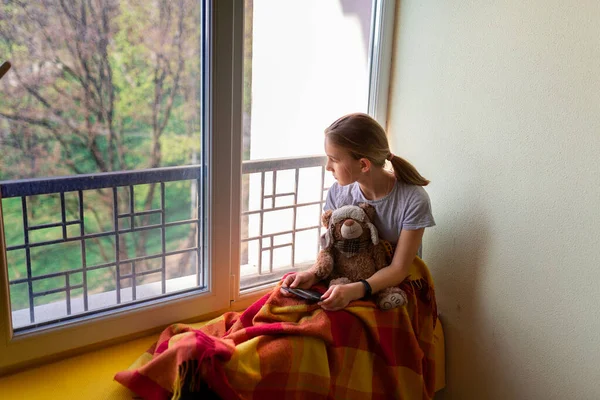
<point>86,376</point>
<point>89,375</point>
<point>104,352</point>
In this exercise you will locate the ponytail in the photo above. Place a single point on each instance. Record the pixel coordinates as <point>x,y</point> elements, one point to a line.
<point>362,136</point>
<point>406,172</point>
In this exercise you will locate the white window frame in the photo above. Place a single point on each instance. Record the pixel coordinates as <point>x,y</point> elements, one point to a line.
<point>383,17</point>
<point>380,58</point>
<point>223,82</point>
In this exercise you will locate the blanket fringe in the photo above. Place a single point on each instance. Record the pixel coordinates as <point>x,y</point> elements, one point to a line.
<point>421,287</point>
<point>423,291</point>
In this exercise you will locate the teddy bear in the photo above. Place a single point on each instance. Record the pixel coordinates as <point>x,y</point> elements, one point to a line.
<point>351,251</point>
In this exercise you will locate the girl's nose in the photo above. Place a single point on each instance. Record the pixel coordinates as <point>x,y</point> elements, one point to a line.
<point>349,222</point>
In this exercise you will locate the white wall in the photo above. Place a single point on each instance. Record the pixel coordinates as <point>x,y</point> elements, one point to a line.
<point>498,103</point>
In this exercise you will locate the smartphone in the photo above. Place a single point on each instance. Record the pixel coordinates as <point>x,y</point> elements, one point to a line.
<point>310,295</point>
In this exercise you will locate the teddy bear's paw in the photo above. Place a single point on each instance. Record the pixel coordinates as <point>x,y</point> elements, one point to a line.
<point>392,300</point>
<point>340,281</point>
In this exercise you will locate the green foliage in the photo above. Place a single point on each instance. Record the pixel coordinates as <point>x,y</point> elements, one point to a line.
<point>176,148</point>
<point>131,62</point>
<point>78,107</point>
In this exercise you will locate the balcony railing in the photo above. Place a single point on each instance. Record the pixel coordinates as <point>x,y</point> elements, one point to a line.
<point>75,278</point>
<point>280,213</point>
<point>277,189</point>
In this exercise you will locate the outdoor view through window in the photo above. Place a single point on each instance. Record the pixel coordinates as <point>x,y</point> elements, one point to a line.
<point>98,87</point>
<point>306,64</point>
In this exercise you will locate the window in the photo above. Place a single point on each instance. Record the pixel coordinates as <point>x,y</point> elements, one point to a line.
<point>296,82</point>
<point>121,135</point>
<point>114,120</point>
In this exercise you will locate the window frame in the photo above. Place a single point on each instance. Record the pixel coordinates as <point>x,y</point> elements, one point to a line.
<point>380,58</point>
<point>222,121</point>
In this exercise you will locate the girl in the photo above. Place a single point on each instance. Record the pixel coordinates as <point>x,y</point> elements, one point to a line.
<point>357,148</point>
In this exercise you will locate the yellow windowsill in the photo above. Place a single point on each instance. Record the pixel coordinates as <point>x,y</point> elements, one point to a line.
<point>86,376</point>
<point>90,375</point>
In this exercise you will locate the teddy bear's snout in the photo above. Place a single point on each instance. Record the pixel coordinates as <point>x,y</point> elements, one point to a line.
<point>351,229</point>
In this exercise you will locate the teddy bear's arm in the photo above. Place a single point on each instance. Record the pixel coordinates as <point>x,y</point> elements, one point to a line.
<point>380,256</point>
<point>323,265</point>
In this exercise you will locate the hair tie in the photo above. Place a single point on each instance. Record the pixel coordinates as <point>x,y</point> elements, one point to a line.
<point>390,157</point>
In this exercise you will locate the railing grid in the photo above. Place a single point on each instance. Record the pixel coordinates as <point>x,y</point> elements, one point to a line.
<point>127,269</point>
<point>266,241</point>
<point>24,189</point>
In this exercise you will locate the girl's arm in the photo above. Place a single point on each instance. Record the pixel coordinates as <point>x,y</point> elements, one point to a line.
<point>338,296</point>
<point>397,271</point>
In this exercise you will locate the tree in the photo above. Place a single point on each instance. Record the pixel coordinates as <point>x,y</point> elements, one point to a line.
<point>99,86</point>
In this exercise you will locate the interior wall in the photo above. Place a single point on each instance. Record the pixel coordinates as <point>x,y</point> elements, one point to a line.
<point>498,104</point>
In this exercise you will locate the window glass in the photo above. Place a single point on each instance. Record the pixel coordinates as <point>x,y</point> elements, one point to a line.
<point>306,64</point>
<point>104,97</point>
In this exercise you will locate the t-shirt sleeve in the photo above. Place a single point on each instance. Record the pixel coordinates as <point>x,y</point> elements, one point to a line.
<point>331,200</point>
<point>418,211</point>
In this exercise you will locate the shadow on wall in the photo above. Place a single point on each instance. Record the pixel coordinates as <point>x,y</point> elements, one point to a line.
<point>491,351</point>
<point>456,259</point>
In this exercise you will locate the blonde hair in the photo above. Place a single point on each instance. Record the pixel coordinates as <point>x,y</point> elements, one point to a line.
<point>363,137</point>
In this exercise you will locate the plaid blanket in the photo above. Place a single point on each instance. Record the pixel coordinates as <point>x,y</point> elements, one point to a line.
<point>282,347</point>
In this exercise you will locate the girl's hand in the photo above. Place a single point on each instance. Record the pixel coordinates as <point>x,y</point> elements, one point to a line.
<point>300,280</point>
<point>338,297</point>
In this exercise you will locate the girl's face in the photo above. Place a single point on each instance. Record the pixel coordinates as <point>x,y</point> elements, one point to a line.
<point>341,164</point>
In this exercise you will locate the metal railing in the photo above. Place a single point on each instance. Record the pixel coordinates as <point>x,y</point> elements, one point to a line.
<point>265,274</point>
<point>262,273</point>
<point>79,184</point>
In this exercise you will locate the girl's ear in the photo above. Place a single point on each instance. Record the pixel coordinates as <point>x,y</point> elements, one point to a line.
<point>365,164</point>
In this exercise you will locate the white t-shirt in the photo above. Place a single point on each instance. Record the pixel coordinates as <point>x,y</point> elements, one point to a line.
<point>405,207</point>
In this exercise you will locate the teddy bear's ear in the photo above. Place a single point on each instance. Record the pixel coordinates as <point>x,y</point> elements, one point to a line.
<point>374,233</point>
<point>326,217</point>
<point>326,240</point>
<point>368,209</point>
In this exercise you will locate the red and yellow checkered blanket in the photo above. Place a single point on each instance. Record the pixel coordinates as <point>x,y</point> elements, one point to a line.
<point>281,347</point>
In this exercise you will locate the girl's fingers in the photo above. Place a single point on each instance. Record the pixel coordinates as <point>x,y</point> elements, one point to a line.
<point>288,279</point>
<point>286,283</point>
<point>334,299</point>
<point>330,307</point>
<point>297,281</point>
<point>327,293</point>
<point>329,299</point>
<point>329,302</point>
<point>294,283</point>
